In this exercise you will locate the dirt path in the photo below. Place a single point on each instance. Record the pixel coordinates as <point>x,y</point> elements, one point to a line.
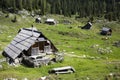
<point>73,55</point>
<point>82,56</point>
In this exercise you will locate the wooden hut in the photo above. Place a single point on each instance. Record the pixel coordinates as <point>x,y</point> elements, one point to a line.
<point>50,21</point>
<point>29,41</point>
<point>87,26</point>
<point>38,20</point>
<point>106,31</point>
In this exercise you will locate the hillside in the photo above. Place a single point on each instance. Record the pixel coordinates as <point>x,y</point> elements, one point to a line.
<point>92,56</point>
<point>109,9</point>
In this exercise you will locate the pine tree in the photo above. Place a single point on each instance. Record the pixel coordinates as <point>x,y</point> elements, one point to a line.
<point>84,8</point>
<point>14,5</point>
<point>58,7</point>
<point>24,4</point>
<point>29,5</point>
<point>20,6</point>
<point>36,4</point>
<point>43,7</point>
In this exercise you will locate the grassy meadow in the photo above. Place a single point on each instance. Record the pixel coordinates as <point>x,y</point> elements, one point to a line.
<point>93,58</point>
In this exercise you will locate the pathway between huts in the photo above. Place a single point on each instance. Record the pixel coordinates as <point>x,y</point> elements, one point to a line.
<point>82,56</point>
<point>115,62</point>
<point>73,55</point>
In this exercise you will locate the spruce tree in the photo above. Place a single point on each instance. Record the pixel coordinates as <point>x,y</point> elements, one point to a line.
<point>85,8</point>
<point>14,5</point>
<point>43,7</point>
<point>20,4</point>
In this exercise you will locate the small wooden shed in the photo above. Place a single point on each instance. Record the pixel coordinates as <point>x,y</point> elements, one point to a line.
<point>106,31</point>
<point>50,21</point>
<point>87,26</point>
<point>29,41</point>
<point>38,20</point>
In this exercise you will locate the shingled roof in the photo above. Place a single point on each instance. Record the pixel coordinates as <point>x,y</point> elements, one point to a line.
<point>105,29</point>
<point>23,41</point>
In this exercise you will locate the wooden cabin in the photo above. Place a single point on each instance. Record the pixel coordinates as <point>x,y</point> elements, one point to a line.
<point>87,26</point>
<point>38,20</point>
<point>28,42</point>
<point>50,21</point>
<point>106,31</point>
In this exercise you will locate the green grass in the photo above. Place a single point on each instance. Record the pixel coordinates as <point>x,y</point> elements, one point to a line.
<point>71,41</point>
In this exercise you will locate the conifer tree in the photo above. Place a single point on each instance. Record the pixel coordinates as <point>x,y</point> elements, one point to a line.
<point>84,8</point>
<point>43,7</point>
<point>29,5</point>
<point>20,6</point>
<point>14,5</point>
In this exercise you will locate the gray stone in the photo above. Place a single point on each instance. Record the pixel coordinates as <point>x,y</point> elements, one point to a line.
<point>10,79</point>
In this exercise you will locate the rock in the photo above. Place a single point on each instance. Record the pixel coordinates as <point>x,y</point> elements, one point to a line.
<point>88,78</point>
<point>23,16</point>
<point>104,50</point>
<point>24,12</point>
<point>105,38</point>
<point>72,52</point>
<point>95,46</point>
<point>9,36</point>
<point>117,44</point>
<point>25,79</point>
<point>45,78</point>
<point>10,79</point>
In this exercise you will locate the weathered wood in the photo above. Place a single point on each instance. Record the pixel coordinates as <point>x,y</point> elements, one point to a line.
<point>59,57</point>
<point>17,50</point>
<point>25,40</point>
<point>20,46</point>
<point>62,70</point>
<point>30,33</point>
<point>11,54</point>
